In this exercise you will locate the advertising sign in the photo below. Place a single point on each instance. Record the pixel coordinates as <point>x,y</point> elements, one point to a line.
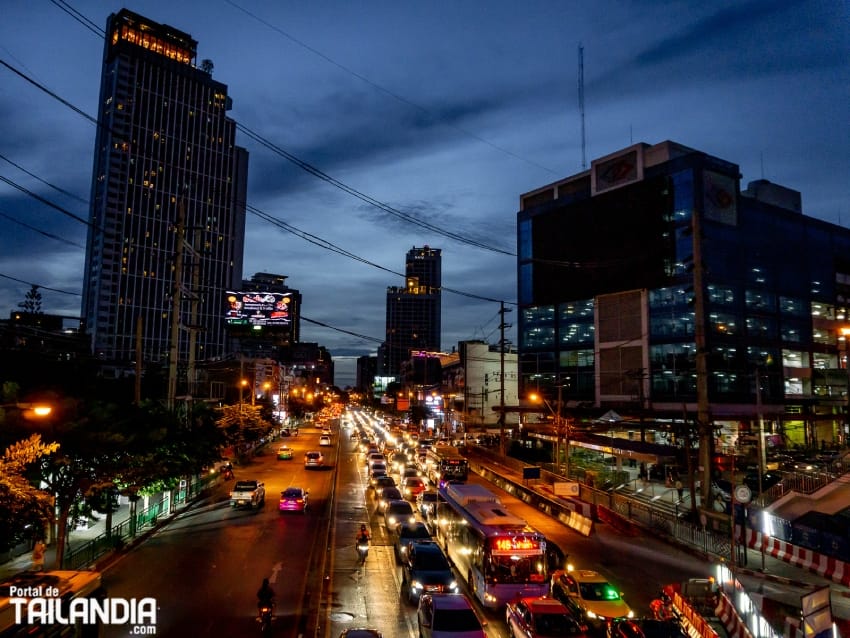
<point>259,309</point>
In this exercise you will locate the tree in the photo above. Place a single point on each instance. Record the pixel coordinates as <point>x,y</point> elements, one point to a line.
<point>32,302</point>
<point>23,507</point>
<point>242,425</point>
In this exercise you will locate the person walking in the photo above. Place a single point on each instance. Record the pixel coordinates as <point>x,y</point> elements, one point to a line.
<point>38,551</point>
<point>680,489</point>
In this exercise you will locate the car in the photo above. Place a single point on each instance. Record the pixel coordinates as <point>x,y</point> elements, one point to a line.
<point>293,499</point>
<point>375,457</point>
<point>412,487</point>
<point>313,459</point>
<point>382,482</point>
<point>590,596</point>
<point>387,494</point>
<point>397,512</point>
<point>374,478</point>
<point>408,533</point>
<point>326,432</point>
<point>409,471</point>
<point>378,467</point>
<point>426,570</point>
<point>427,503</point>
<point>284,453</point>
<point>768,480</point>
<point>324,440</point>
<point>360,632</point>
<point>447,616</point>
<point>541,616</point>
<point>286,432</point>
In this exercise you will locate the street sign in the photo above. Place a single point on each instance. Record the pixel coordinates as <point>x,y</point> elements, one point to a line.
<point>531,472</point>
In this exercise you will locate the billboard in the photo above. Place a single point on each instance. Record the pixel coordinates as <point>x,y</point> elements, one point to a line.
<point>257,310</point>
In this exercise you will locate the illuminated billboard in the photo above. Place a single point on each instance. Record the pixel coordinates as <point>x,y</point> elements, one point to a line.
<point>257,310</point>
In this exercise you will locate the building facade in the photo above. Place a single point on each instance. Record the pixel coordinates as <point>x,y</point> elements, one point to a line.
<point>263,317</point>
<point>653,285</point>
<point>413,311</point>
<point>168,200</point>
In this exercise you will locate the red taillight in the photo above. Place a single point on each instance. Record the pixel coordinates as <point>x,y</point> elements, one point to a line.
<point>300,500</point>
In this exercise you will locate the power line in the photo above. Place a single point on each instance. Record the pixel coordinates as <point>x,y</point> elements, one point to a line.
<point>40,287</point>
<point>388,92</point>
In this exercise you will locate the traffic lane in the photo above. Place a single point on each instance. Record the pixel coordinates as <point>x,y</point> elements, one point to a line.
<point>370,595</point>
<point>637,565</point>
<point>205,567</point>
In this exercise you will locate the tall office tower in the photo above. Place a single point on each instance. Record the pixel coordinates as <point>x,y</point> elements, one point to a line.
<point>168,200</point>
<point>413,312</point>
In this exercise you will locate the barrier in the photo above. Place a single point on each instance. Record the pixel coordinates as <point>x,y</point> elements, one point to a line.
<point>825,566</point>
<point>731,620</point>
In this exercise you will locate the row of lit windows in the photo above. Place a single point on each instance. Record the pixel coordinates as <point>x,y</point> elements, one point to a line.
<point>152,43</point>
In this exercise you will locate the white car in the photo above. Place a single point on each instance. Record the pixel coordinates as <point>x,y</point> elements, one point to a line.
<point>324,440</point>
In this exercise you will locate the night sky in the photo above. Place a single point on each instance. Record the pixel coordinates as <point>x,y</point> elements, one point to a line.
<point>443,112</point>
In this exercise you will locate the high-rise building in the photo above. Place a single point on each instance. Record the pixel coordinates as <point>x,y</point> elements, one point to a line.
<point>413,311</point>
<point>264,317</point>
<point>655,286</point>
<point>168,200</point>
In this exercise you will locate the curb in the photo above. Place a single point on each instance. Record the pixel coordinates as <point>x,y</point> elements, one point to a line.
<point>775,578</point>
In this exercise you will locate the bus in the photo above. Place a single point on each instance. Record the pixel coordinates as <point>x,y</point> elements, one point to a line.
<point>500,556</point>
<point>445,463</point>
<point>36,605</point>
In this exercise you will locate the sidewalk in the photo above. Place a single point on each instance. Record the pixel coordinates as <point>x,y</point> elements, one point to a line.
<point>79,538</point>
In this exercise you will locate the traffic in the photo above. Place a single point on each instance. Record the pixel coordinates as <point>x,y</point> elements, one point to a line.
<point>467,564</point>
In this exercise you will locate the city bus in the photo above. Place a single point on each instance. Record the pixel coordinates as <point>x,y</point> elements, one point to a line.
<point>445,463</point>
<point>37,605</point>
<point>500,556</point>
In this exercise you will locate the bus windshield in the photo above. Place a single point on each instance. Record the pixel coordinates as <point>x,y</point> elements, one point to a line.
<point>515,569</point>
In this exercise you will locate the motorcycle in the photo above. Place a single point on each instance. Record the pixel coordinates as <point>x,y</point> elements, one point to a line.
<point>362,550</point>
<point>266,619</point>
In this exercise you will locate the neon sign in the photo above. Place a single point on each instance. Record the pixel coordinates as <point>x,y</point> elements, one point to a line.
<point>515,544</point>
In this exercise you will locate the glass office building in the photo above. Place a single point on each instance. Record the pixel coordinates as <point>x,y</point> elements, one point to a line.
<point>167,203</point>
<point>628,270</point>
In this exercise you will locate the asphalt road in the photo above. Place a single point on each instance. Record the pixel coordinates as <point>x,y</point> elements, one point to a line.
<point>205,567</point>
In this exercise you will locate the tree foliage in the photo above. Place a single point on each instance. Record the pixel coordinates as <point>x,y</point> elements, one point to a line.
<point>24,509</point>
<point>32,302</point>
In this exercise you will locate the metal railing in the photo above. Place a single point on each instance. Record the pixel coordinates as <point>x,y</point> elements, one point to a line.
<point>119,534</point>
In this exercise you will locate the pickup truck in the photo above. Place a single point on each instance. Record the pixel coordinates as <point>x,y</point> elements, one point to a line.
<point>248,493</point>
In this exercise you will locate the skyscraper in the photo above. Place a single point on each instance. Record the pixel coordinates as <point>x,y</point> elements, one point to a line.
<point>168,200</point>
<point>413,312</point>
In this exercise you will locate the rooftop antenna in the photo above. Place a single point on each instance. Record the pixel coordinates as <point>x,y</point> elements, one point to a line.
<point>581,104</point>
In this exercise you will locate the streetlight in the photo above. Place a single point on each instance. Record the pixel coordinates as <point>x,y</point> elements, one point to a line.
<point>243,383</point>
<point>31,411</point>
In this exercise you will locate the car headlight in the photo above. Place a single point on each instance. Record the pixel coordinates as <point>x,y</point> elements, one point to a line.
<point>590,614</point>
<point>453,585</point>
<point>416,585</point>
<point>391,520</point>
<point>631,614</point>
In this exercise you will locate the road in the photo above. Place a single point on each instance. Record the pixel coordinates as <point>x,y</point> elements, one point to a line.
<point>204,568</point>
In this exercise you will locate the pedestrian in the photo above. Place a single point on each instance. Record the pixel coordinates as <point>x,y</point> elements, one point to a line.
<point>38,555</point>
<point>680,489</point>
<point>642,474</point>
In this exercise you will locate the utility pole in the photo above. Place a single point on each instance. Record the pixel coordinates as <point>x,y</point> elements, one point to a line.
<point>502,326</point>
<point>705,427</point>
<point>176,299</point>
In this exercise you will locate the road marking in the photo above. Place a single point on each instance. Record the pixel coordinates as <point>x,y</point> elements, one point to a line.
<point>275,570</point>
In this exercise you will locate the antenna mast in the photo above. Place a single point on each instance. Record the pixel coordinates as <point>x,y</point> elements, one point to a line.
<point>581,104</point>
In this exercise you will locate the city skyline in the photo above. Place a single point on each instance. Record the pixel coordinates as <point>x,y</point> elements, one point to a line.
<point>438,118</point>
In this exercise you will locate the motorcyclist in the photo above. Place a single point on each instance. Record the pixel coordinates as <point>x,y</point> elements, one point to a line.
<point>265,595</point>
<point>362,535</point>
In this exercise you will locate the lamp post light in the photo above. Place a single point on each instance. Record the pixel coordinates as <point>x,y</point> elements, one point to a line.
<point>243,383</point>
